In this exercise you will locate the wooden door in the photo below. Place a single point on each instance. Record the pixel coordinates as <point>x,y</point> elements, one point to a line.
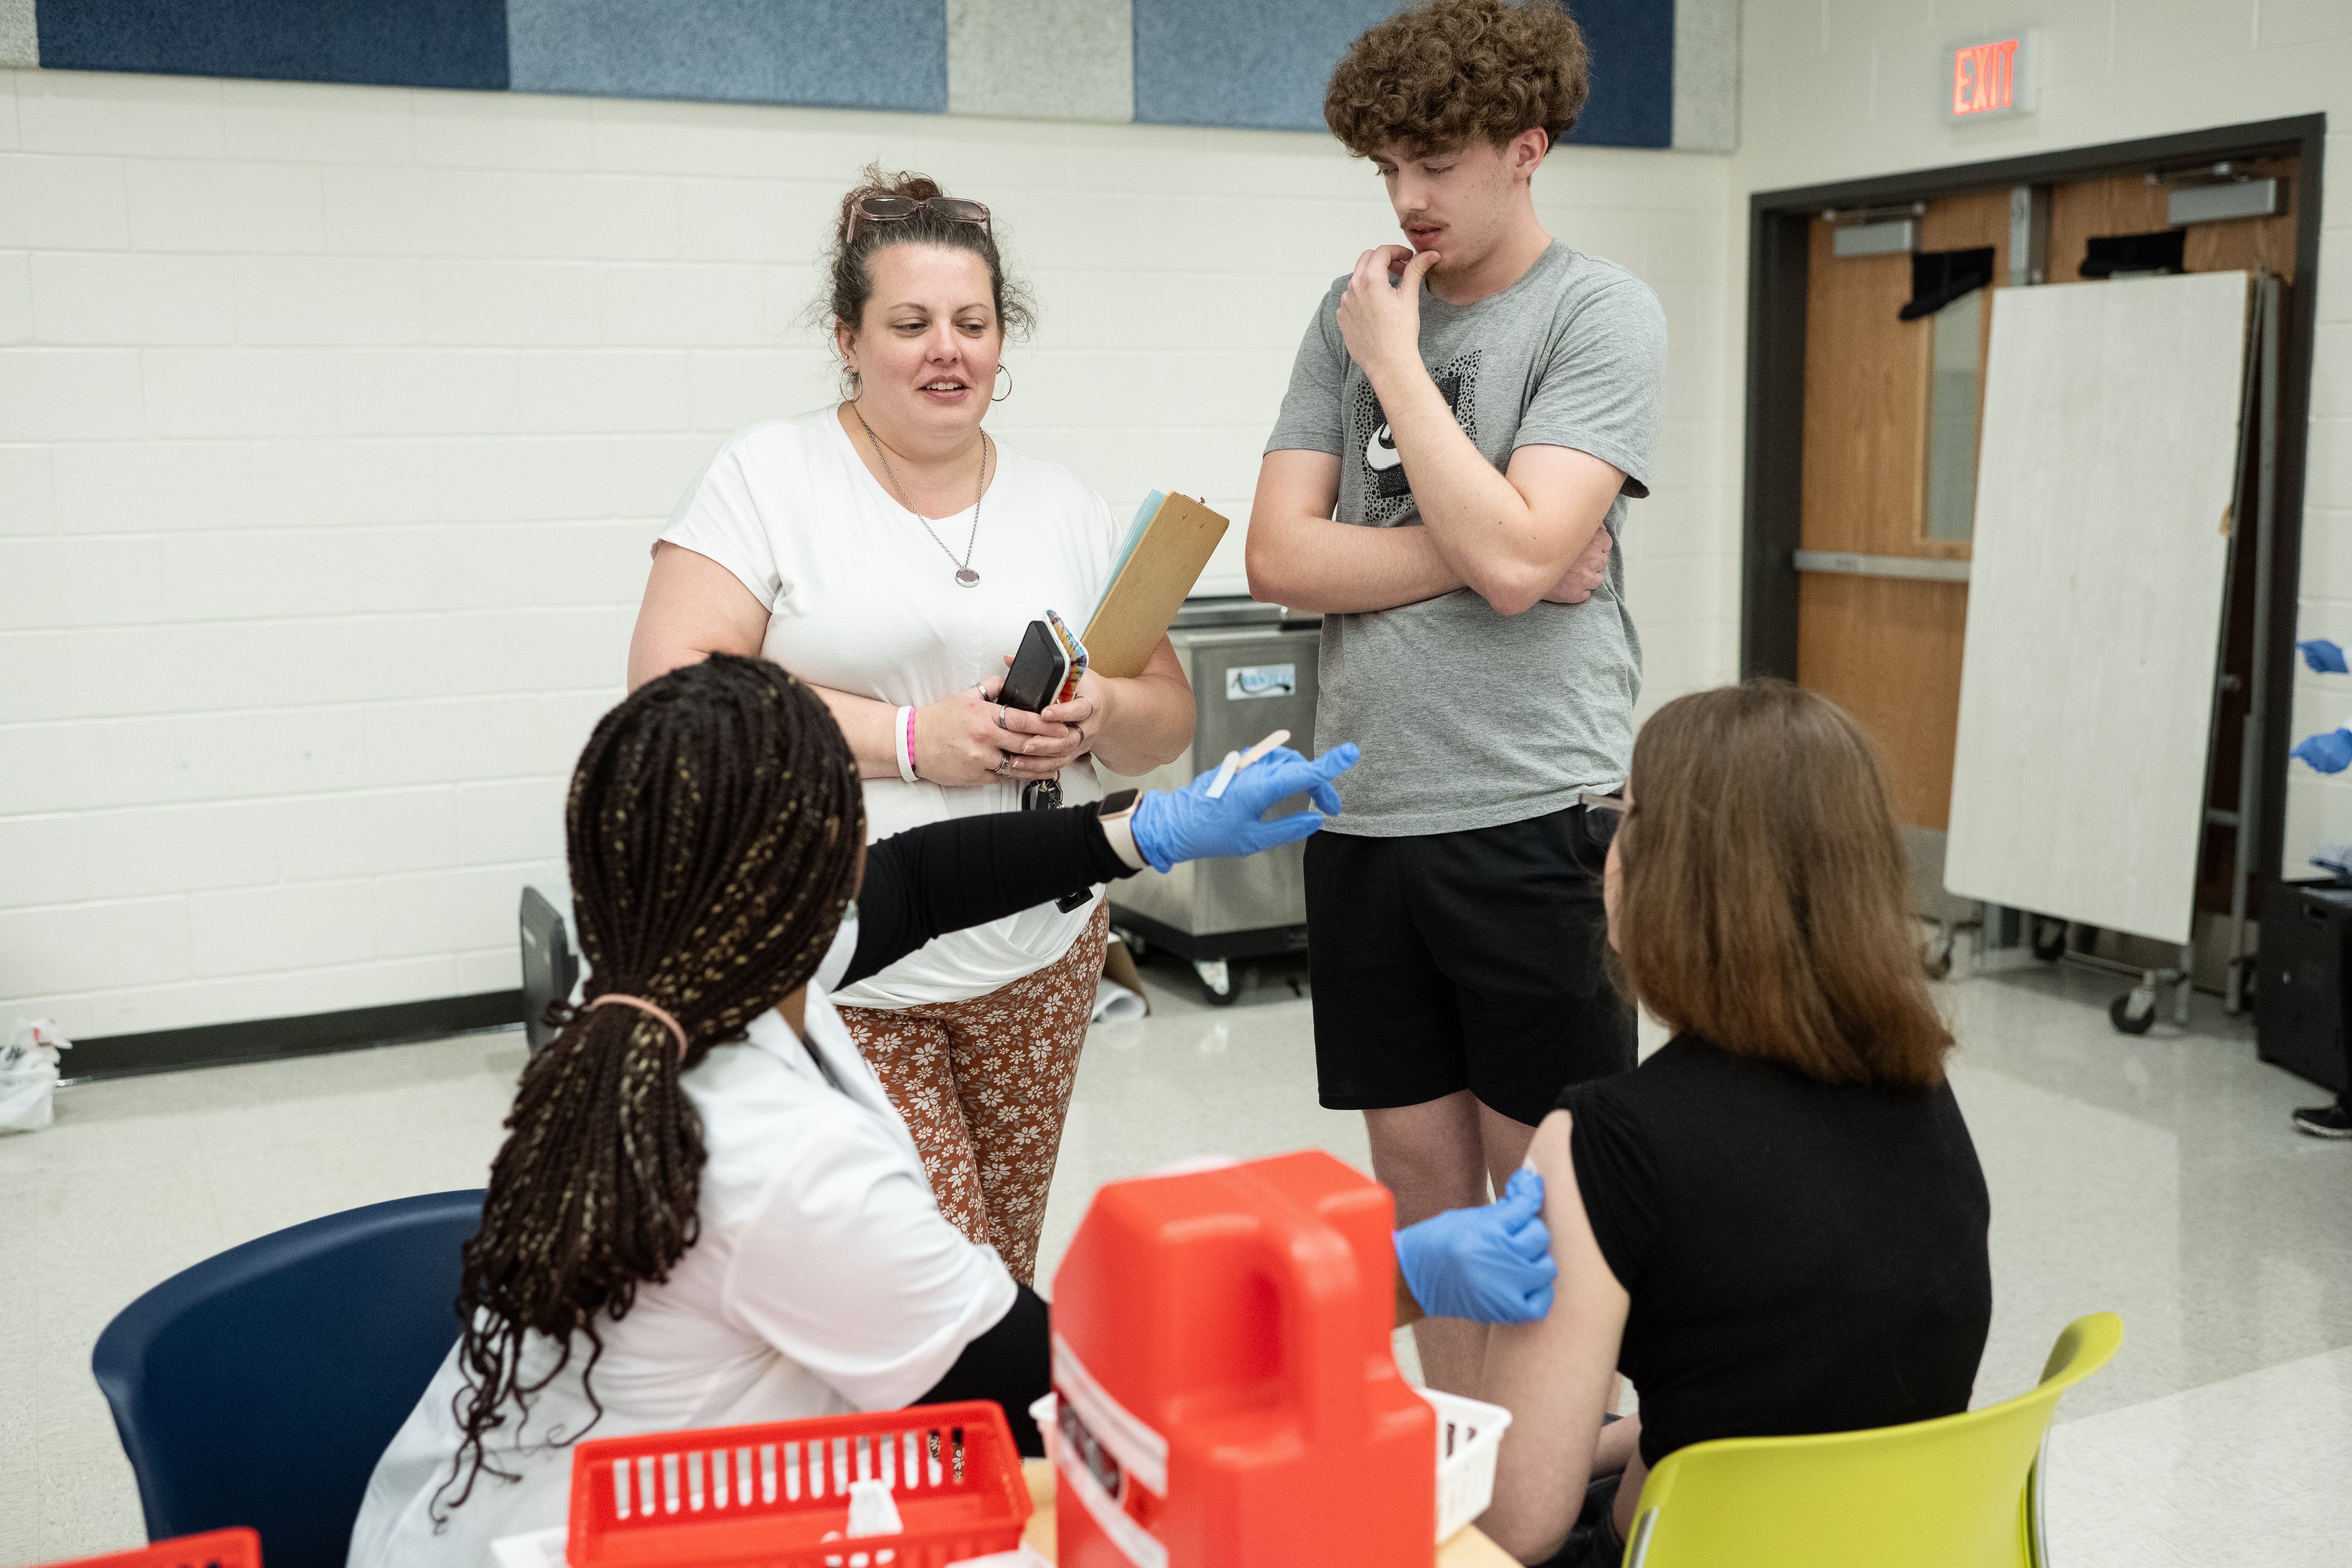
<point>1887,649</point>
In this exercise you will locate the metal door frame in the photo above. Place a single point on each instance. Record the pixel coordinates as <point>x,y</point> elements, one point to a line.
<point>1779,254</point>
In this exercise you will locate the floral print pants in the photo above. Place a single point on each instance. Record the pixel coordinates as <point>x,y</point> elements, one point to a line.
<point>983,1085</point>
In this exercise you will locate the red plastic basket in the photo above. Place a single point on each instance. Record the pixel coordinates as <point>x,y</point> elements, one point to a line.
<point>778,1495</point>
<point>238,1548</point>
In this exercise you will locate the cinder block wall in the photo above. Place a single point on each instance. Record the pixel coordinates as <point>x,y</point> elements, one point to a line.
<point>335,423</point>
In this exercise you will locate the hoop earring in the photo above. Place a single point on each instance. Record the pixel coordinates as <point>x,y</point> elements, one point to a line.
<point>1006,372</point>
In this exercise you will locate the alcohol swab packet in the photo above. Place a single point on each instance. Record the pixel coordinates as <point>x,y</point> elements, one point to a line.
<point>1237,761</point>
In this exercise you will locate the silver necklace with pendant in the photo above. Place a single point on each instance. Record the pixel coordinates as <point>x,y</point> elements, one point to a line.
<point>965,576</point>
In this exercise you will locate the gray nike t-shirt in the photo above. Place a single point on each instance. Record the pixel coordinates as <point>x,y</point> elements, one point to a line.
<point>1467,718</point>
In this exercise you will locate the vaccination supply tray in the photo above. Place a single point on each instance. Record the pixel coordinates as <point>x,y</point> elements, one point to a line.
<point>1469,1432</point>
<point>779,1495</point>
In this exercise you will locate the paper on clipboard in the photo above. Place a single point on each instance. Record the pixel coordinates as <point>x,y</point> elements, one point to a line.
<point>1166,550</point>
<point>1143,516</point>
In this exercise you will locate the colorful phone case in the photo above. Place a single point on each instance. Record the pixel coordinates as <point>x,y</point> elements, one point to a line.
<point>1076,649</point>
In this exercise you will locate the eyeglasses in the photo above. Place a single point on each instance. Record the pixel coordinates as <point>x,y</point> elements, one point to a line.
<point>899,209</point>
<point>1603,814</point>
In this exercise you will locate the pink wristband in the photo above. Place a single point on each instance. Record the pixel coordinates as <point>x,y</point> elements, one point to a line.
<point>906,738</point>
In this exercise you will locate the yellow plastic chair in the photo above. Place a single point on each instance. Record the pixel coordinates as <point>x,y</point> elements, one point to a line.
<point>1961,1491</point>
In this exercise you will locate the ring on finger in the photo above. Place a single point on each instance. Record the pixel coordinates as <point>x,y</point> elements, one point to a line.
<point>1000,716</point>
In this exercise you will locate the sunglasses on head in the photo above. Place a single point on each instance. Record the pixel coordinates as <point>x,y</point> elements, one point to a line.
<point>899,209</point>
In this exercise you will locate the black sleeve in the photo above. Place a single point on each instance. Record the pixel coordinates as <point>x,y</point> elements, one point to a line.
<point>946,876</point>
<point>1615,1174</point>
<point>1011,1364</point>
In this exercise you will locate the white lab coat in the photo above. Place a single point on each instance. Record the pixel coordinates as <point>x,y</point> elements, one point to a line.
<point>824,1280</point>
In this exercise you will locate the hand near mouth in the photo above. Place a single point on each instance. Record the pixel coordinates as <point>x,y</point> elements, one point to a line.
<point>1380,317</point>
<point>1400,255</point>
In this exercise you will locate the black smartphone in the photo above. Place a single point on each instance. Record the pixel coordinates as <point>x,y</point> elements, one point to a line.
<point>1037,670</point>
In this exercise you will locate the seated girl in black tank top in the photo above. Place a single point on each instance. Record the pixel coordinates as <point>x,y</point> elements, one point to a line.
<point>1777,1225</point>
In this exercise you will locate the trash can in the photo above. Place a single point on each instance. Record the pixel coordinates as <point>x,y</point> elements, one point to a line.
<point>1252,666</point>
<point>2299,998</point>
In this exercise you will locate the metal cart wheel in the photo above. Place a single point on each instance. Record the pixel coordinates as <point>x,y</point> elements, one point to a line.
<point>1220,986</point>
<point>2049,939</point>
<point>2134,1012</point>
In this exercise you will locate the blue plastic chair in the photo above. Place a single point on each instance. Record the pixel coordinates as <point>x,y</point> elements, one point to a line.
<point>260,1387</point>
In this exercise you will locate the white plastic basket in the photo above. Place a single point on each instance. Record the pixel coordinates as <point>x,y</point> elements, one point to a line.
<point>1469,1432</point>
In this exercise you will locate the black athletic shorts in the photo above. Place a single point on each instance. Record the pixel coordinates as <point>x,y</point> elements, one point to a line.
<point>1470,960</point>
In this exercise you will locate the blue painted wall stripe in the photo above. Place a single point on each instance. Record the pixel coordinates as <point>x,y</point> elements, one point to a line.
<point>857,54</point>
<point>1632,45</point>
<point>1196,62</point>
<point>1244,62</point>
<point>413,43</point>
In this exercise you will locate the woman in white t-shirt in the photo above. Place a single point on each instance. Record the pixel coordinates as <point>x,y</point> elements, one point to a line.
<point>889,553</point>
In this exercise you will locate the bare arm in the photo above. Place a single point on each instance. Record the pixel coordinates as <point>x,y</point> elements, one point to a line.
<point>1298,556</point>
<point>1510,536</point>
<point>1555,1376</point>
<point>695,607</point>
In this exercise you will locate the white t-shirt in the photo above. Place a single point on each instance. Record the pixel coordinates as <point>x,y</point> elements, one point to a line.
<point>861,599</point>
<point>824,1280</point>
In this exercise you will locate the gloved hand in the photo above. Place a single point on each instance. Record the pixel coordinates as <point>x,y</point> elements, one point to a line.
<point>2323,657</point>
<point>2328,752</point>
<point>1490,1265</point>
<point>1174,825</point>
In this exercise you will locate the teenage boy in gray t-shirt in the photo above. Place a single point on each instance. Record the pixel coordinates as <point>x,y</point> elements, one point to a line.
<point>1446,482</point>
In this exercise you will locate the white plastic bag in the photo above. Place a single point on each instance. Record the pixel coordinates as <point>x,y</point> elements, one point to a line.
<point>29,1074</point>
<point>1114,1003</point>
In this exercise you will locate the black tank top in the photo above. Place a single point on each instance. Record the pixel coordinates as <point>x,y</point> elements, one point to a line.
<point>1802,1257</point>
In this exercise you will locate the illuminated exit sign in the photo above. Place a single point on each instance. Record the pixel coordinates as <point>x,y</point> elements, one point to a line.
<point>1987,80</point>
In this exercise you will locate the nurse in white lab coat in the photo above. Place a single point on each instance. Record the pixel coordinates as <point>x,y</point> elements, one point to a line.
<point>706,1212</point>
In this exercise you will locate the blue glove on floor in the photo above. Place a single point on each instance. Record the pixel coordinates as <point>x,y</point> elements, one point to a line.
<point>1175,826</point>
<point>2328,752</point>
<point>1490,1265</point>
<point>2323,657</point>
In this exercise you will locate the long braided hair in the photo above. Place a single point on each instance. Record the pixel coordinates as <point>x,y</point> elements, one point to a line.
<point>713,829</point>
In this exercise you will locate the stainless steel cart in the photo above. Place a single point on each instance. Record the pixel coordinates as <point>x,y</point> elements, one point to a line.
<point>1252,666</point>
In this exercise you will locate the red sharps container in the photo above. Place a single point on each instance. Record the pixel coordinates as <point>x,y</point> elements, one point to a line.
<point>1228,1397</point>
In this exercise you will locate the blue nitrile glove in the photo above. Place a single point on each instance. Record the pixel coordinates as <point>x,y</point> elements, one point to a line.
<point>1490,1265</point>
<point>2326,753</point>
<point>1175,826</point>
<point>2323,657</point>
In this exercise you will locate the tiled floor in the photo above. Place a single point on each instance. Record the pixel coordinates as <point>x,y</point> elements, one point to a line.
<point>2157,1176</point>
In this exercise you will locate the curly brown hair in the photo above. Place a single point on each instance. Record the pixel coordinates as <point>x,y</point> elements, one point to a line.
<point>1441,75</point>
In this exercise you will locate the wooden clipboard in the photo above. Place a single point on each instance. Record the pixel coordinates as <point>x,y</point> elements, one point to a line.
<point>1142,600</point>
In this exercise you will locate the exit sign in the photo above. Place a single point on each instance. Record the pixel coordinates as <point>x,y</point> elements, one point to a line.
<point>1988,80</point>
